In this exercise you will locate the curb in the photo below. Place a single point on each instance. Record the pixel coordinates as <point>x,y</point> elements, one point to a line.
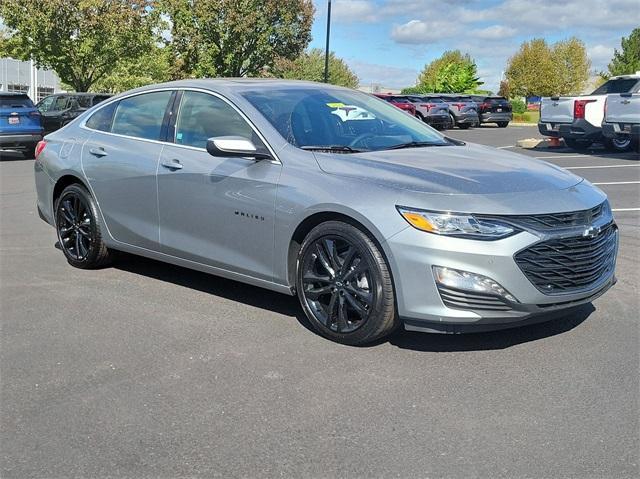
<point>538,144</point>
<point>515,123</point>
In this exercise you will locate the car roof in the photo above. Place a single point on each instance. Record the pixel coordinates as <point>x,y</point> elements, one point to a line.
<point>12,93</point>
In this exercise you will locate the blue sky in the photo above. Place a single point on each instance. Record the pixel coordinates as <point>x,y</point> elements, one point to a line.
<point>389,41</point>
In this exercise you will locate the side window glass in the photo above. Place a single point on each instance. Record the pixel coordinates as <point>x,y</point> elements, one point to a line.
<point>202,116</point>
<point>141,115</point>
<point>101,120</point>
<point>46,103</point>
<point>60,104</point>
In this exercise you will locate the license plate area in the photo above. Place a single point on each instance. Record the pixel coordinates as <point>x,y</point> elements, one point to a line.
<point>14,120</point>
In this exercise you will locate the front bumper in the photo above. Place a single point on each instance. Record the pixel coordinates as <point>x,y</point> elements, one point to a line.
<point>19,142</point>
<point>490,117</point>
<point>421,303</point>
<point>578,130</point>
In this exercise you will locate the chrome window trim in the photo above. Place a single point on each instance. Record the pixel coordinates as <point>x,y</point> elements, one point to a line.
<point>104,104</point>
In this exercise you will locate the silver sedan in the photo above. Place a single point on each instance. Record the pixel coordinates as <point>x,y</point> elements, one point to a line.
<point>371,217</point>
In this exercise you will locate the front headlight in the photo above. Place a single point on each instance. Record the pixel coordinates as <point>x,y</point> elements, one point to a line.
<point>456,224</point>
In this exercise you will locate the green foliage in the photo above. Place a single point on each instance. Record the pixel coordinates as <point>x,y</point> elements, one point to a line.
<point>233,38</point>
<point>540,69</point>
<point>518,106</point>
<point>453,72</point>
<point>627,60</point>
<point>153,67</point>
<point>82,40</point>
<point>310,66</point>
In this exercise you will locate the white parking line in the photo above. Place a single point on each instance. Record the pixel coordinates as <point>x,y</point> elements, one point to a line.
<point>625,209</point>
<point>618,183</point>
<point>601,166</point>
<point>557,157</point>
<point>505,147</point>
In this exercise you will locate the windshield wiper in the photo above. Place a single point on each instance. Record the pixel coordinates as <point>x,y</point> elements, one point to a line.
<point>331,148</point>
<point>415,144</point>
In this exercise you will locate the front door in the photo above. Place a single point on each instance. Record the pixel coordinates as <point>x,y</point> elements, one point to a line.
<point>216,211</point>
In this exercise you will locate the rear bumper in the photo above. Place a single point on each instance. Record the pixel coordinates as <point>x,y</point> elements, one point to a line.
<point>491,116</point>
<point>579,129</point>
<point>440,120</point>
<point>467,118</point>
<point>615,130</point>
<point>19,142</point>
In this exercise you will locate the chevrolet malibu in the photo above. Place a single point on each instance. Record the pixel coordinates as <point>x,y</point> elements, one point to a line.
<point>373,222</point>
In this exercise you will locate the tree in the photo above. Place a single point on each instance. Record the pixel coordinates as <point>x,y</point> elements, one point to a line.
<point>153,67</point>
<point>572,65</point>
<point>538,69</point>
<point>627,60</point>
<point>504,90</point>
<point>310,66</point>
<point>234,37</point>
<point>82,40</point>
<point>453,72</point>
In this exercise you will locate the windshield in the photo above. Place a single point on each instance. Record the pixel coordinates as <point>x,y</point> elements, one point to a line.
<point>339,119</point>
<point>15,101</point>
<point>619,85</point>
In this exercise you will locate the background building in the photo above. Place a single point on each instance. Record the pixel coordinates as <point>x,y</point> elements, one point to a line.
<point>19,76</point>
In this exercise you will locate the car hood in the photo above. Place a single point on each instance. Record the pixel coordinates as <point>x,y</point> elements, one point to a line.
<point>451,170</point>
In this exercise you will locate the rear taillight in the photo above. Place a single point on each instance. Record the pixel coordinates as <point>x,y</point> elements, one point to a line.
<point>579,107</point>
<point>459,106</point>
<point>35,114</point>
<point>428,106</point>
<point>485,105</point>
<point>39,147</point>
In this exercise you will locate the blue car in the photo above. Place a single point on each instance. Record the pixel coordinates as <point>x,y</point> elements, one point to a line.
<point>20,125</point>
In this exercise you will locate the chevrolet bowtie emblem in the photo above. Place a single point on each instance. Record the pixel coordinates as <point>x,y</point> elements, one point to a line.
<point>591,232</point>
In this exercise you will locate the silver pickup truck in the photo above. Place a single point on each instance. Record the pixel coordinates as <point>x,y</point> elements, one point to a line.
<point>622,120</point>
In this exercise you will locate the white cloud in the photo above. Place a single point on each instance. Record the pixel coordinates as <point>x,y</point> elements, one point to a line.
<point>419,32</point>
<point>345,11</point>
<point>600,56</point>
<point>391,77</point>
<point>494,32</point>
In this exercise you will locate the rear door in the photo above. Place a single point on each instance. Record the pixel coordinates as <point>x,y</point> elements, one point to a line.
<point>120,161</point>
<point>18,115</point>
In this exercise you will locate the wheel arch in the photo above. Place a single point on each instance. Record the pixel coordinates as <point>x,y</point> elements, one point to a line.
<point>64,181</point>
<point>318,217</point>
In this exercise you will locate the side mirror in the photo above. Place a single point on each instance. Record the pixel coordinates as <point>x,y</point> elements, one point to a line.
<point>236,147</point>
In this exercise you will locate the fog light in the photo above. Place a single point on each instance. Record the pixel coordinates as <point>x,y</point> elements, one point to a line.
<point>471,282</point>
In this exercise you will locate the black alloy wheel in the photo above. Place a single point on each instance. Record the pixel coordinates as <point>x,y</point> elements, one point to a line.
<point>78,231</point>
<point>344,285</point>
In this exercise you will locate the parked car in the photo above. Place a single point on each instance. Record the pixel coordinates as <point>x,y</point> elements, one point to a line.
<point>578,119</point>
<point>463,111</point>
<point>621,124</point>
<point>388,224</point>
<point>493,109</point>
<point>62,108</point>
<point>20,126</point>
<point>430,109</point>
<point>400,102</point>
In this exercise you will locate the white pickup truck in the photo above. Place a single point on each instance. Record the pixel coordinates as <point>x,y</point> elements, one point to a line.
<point>578,120</point>
<point>622,119</point>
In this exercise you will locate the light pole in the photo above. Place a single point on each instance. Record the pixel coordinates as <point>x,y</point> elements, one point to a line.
<point>326,49</point>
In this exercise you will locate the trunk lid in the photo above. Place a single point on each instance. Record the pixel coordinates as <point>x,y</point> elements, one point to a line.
<point>623,108</point>
<point>18,115</point>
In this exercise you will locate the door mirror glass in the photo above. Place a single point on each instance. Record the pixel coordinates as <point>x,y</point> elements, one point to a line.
<point>234,146</point>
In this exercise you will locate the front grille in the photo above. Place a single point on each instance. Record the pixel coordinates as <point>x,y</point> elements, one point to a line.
<point>545,222</point>
<point>570,264</point>
<point>454,298</point>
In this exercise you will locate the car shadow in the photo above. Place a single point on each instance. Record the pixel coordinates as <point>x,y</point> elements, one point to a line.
<point>289,306</point>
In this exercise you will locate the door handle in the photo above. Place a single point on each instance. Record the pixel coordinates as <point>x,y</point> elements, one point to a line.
<point>99,152</point>
<point>172,164</point>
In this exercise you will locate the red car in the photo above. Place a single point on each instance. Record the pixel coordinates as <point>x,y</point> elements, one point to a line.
<point>401,103</point>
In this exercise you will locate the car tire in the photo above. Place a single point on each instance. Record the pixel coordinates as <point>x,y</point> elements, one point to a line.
<point>78,229</point>
<point>577,144</point>
<point>420,117</point>
<point>29,154</point>
<point>452,122</point>
<point>344,284</point>
<point>621,145</point>
<point>464,126</point>
<point>503,124</point>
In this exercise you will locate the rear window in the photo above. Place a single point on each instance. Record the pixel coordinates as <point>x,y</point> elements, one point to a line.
<point>15,101</point>
<point>102,119</point>
<point>619,85</point>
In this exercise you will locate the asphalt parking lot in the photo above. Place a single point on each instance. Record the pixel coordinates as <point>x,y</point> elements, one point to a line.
<point>150,370</point>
